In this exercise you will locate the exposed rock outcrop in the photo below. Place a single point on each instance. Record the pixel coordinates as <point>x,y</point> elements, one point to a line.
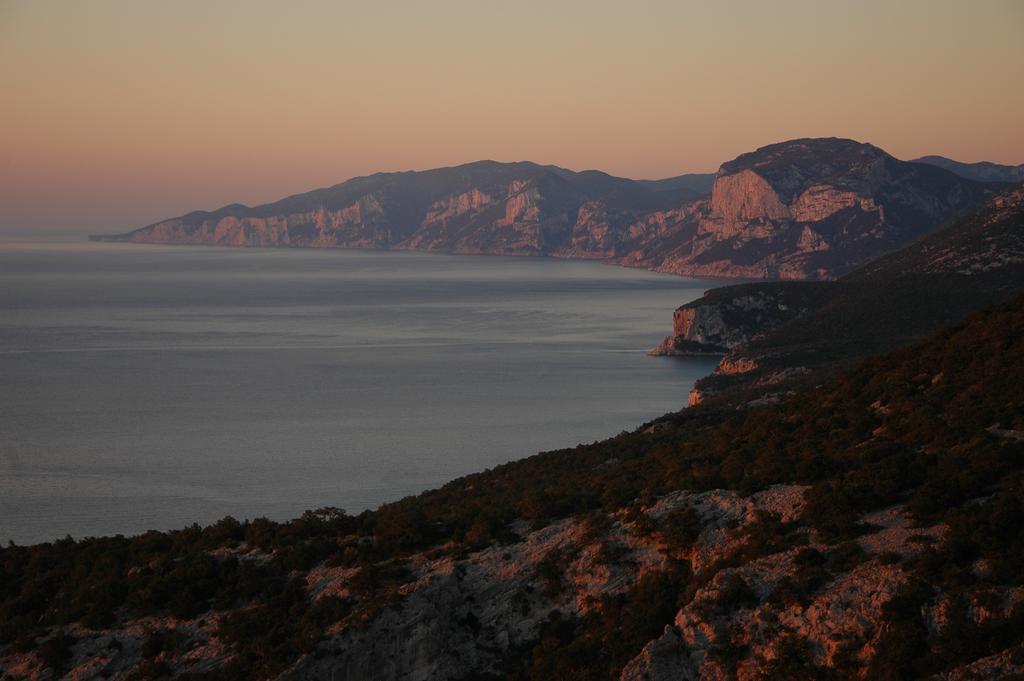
<point>841,618</point>
<point>464,616</point>
<point>454,617</point>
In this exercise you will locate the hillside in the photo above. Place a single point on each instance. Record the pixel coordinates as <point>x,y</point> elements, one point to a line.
<point>774,333</point>
<point>804,209</point>
<point>868,528</point>
<point>988,240</point>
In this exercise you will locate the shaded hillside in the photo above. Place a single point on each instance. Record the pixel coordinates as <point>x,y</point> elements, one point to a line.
<point>991,239</point>
<point>805,209</point>
<point>773,336</point>
<point>868,528</point>
<point>982,171</point>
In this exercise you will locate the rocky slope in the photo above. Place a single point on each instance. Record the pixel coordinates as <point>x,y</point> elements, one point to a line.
<point>870,528</point>
<point>804,209</point>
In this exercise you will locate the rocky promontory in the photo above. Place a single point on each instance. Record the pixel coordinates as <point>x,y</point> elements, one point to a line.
<point>728,317</point>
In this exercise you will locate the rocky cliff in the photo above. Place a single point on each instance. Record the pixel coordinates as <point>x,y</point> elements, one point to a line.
<point>728,317</point>
<point>805,209</point>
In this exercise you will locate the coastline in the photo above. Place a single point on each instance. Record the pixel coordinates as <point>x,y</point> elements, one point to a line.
<point>577,349</point>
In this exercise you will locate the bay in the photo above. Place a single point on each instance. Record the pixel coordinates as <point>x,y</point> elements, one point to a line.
<point>150,387</point>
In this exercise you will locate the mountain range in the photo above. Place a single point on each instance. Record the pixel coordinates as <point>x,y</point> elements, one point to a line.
<point>802,209</point>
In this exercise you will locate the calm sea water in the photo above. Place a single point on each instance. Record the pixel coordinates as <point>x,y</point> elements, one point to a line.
<point>152,387</point>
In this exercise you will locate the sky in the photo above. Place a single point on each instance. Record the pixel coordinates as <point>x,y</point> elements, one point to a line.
<point>116,114</point>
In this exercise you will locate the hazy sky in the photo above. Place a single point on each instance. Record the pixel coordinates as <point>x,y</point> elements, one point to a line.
<point>116,114</point>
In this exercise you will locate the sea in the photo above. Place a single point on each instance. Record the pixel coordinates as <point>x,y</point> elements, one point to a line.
<point>153,387</point>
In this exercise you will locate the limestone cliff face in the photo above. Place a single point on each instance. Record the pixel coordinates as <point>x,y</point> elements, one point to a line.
<point>741,197</point>
<point>702,327</point>
<point>727,318</point>
<point>811,209</point>
<point>501,219</point>
<point>472,201</point>
<point>601,231</point>
<point>357,225</point>
<point>806,209</point>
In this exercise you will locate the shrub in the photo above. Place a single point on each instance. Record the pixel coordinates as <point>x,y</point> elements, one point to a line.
<point>734,594</point>
<point>55,652</point>
<point>682,527</point>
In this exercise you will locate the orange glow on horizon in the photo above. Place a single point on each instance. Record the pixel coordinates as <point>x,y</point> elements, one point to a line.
<point>116,114</point>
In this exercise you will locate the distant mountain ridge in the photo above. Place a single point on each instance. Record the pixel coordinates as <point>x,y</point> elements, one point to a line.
<point>699,183</point>
<point>803,209</point>
<point>983,171</point>
<point>483,207</point>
